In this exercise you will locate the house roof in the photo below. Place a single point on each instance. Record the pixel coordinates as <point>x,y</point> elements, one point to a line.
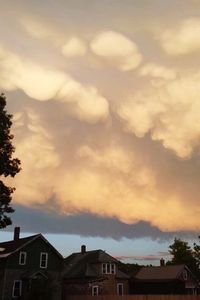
<point>82,265</point>
<point>10,247</point>
<point>159,273</point>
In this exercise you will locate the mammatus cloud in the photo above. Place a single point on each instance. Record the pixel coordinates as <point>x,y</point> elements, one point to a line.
<point>97,140</point>
<point>74,47</point>
<point>182,39</point>
<point>161,111</point>
<point>43,84</point>
<point>89,105</point>
<point>40,29</point>
<point>117,50</point>
<point>157,71</point>
<point>111,182</point>
<point>38,157</point>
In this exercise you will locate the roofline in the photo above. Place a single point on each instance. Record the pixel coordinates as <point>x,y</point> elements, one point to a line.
<point>135,278</point>
<point>22,246</point>
<point>88,252</point>
<point>53,248</point>
<point>35,237</point>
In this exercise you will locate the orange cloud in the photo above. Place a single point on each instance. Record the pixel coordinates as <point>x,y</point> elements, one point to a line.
<point>160,111</point>
<point>183,38</point>
<point>117,50</point>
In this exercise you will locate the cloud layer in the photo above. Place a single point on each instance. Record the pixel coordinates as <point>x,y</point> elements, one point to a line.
<point>106,110</point>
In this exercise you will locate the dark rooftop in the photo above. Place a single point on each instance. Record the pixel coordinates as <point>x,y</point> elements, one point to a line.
<point>159,273</point>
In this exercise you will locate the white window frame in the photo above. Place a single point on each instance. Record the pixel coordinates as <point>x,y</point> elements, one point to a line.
<point>108,268</point>
<point>120,285</point>
<point>20,288</point>
<point>46,260</point>
<point>113,268</point>
<point>95,290</point>
<point>20,258</point>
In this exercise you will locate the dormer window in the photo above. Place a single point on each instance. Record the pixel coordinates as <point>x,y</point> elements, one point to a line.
<point>108,268</point>
<point>43,260</point>
<point>22,258</point>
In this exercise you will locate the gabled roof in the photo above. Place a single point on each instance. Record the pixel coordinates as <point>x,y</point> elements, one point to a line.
<point>159,273</point>
<point>10,247</point>
<point>94,256</point>
<point>83,265</point>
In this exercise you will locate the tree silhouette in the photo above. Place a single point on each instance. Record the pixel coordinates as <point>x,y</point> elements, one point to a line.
<point>8,166</point>
<point>182,253</point>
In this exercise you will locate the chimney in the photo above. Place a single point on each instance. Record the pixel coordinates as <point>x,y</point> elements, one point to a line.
<point>16,233</point>
<point>162,262</point>
<point>83,249</point>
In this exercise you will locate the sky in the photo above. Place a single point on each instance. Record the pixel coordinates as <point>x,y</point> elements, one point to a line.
<point>105,103</point>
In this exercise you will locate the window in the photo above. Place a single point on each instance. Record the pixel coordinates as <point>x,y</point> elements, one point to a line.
<point>43,260</point>
<point>95,290</point>
<point>112,268</point>
<point>185,275</point>
<point>108,268</point>
<point>17,288</point>
<point>22,258</point>
<point>120,289</point>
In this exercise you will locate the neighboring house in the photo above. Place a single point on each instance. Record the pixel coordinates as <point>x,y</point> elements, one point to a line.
<point>27,266</point>
<point>93,273</point>
<point>171,279</point>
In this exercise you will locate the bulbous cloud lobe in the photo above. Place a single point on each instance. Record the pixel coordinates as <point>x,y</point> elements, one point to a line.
<point>117,50</point>
<point>182,39</point>
<point>161,111</point>
<point>43,84</point>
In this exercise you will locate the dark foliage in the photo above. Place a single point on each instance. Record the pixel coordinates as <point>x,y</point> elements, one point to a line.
<point>8,166</point>
<point>130,269</point>
<point>182,253</point>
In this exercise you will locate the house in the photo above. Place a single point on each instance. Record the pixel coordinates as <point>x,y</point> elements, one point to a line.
<point>164,279</point>
<point>93,273</point>
<point>27,266</point>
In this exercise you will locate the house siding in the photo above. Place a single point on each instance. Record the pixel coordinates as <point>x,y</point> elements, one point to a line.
<point>33,257</point>
<point>107,283</point>
<point>11,270</point>
<point>11,275</point>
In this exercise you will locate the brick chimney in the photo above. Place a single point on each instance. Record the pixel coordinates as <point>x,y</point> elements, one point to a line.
<point>162,262</point>
<point>16,233</point>
<point>83,249</point>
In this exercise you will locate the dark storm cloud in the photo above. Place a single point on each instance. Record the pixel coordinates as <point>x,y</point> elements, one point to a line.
<point>34,220</point>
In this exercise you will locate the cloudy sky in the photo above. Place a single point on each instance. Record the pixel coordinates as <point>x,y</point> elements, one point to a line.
<point>105,99</point>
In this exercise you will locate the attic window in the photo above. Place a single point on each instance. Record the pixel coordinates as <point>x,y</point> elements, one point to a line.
<point>108,268</point>
<point>22,258</point>
<point>43,260</point>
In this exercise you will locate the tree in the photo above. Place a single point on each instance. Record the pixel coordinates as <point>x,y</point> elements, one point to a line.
<point>196,253</point>
<point>8,166</point>
<point>182,253</point>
